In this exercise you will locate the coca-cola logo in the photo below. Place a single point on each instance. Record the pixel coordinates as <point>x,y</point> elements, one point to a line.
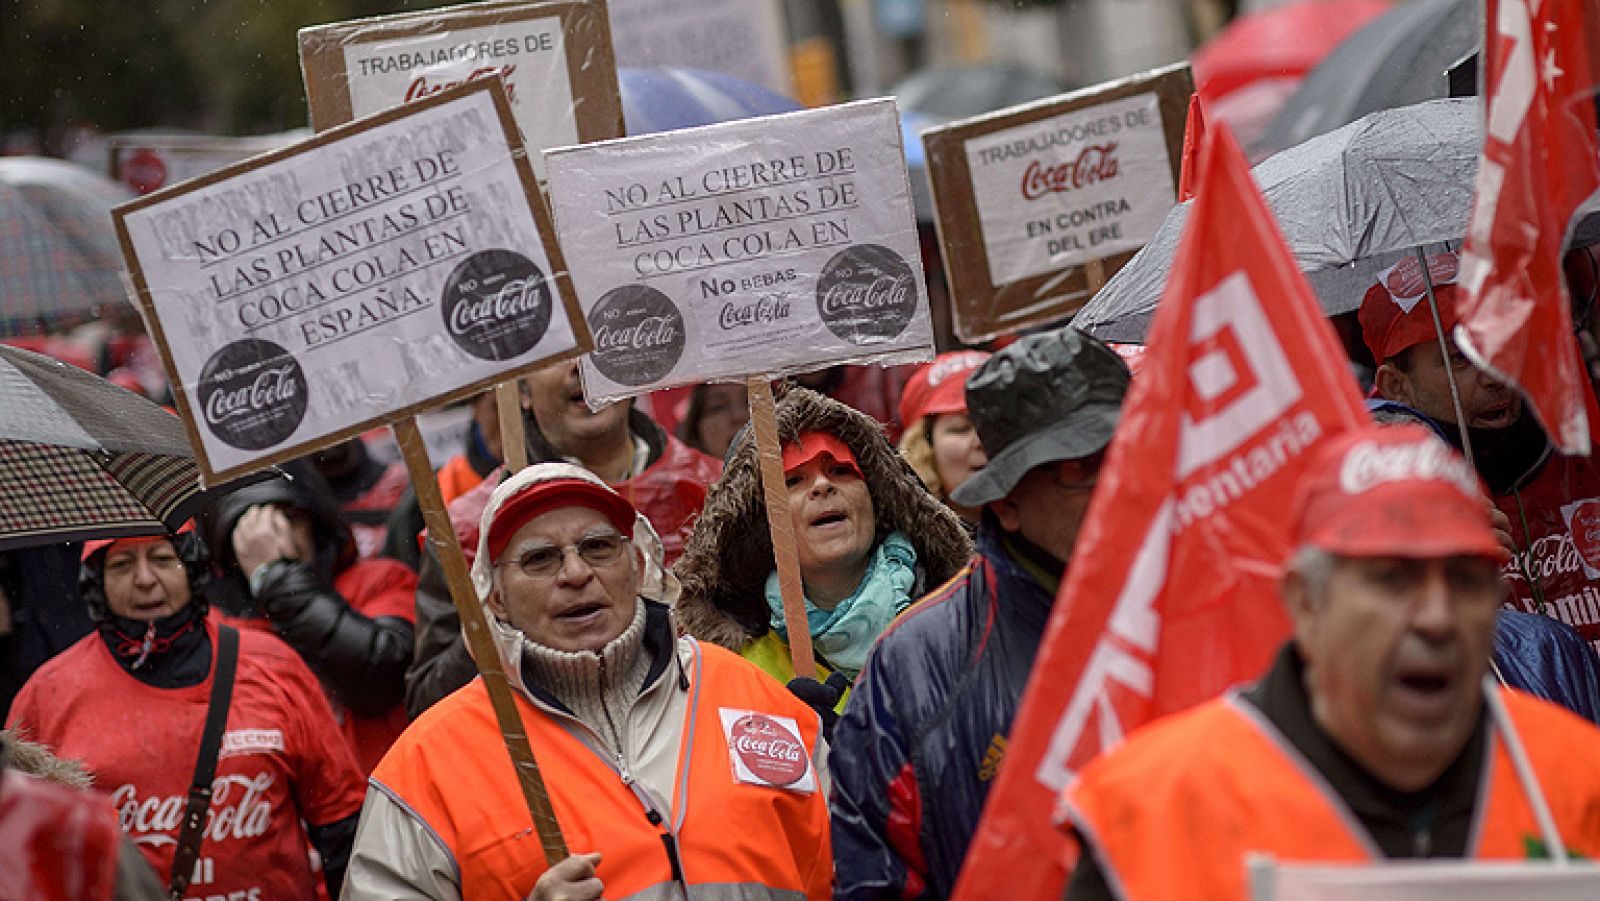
<point>1094,163</point>
<point>768,749</point>
<point>1370,464</point>
<point>867,294</point>
<point>252,394</point>
<point>761,311</point>
<point>143,170</point>
<point>420,87</point>
<point>1404,279</point>
<point>496,305</point>
<point>1583,521</point>
<point>638,335</point>
<point>240,809</point>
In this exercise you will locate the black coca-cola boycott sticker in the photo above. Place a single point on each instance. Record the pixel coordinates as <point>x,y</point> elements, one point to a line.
<point>496,305</point>
<point>638,335</point>
<point>866,294</point>
<point>252,394</point>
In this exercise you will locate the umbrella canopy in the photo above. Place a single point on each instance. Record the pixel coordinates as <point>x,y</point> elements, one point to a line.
<point>665,99</point>
<point>1398,59</point>
<point>81,458</point>
<point>58,250</point>
<point>957,92</point>
<point>1245,72</point>
<point>1349,203</point>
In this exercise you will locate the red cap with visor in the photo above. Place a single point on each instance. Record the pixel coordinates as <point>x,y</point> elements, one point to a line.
<point>540,498</point>
<point>814,444</point>
<point>939,387</point>
<point>1393,491</point>
<point>1394,312</point>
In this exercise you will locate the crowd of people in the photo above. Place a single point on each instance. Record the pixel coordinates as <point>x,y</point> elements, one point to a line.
<point>301,635</point>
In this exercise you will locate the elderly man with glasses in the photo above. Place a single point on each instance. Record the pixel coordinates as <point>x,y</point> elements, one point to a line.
<point>667,761</point>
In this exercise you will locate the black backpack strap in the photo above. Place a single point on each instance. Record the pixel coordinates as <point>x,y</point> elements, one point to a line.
<point>205,767</point>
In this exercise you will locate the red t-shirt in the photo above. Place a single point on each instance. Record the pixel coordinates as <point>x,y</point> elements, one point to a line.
<point>373,588</point>
<point>1560,547</point>
<point>282,761</point>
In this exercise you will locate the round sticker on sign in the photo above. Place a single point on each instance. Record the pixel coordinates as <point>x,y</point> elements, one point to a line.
<point>252,394</point>
<point>867,294</point>
<point>496,305</point>
<point>638,335</point>
<point>766,750</point>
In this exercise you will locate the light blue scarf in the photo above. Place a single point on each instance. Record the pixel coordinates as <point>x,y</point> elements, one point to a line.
<point>844,634</point>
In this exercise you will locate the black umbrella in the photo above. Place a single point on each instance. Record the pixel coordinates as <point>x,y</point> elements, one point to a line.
<point>1397,59</point>
<point>81,458</point>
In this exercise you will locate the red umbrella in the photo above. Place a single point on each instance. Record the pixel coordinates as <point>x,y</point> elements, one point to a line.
<point>1246,72</point>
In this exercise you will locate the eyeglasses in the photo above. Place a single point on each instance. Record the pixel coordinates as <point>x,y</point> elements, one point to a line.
<point>543,561</point>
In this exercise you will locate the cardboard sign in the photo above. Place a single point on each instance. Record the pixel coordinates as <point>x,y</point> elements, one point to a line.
<point>378,269</point>
<point>762,246</point>
<point>149,162</point>
<point>550,54</point>
<point>1038,205</point>
<point>742,38</point>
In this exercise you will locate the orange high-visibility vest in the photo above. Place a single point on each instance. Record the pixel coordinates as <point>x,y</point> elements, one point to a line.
<point>452,770</point>
<point>1174,812</point>
<point>457,477</point>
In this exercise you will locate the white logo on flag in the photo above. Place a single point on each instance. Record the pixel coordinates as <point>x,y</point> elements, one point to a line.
<point>1259,387</point>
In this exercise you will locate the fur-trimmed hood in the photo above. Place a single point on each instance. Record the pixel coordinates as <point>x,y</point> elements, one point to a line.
<point>725,565</point>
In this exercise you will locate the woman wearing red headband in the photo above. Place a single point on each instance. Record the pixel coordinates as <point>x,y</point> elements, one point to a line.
<point>870,537</point>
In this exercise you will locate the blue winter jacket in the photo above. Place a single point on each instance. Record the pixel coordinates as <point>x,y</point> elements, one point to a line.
<point>923,735</point>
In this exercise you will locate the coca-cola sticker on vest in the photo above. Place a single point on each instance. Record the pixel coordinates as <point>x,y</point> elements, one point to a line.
<point>765,749</point>
<point>638,335</point>
<point>252,394</point>
<point>867,294</point>
<point>496,305</point>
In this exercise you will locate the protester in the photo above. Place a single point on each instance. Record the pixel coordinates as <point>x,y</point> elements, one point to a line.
<point>940,441</point>
<point>662,477</point>
<point>642,735</point>
<point>1547,497</point>
<point>287,563</point>
<point>480,455</point>
<point>58,840</point>
<point>925,731</point>
<point>715,414</point>
<point>869,536</point>
<point>130,702</point>
<point>367,490</point>
<point>1369,737</point>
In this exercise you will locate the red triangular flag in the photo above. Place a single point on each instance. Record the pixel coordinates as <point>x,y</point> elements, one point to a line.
<point>1171,595</point>
<point>1541,160</point>
<point>1194,134</point>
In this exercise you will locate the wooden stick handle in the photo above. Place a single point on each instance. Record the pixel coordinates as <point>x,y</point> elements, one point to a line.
<point>764,419</point>
<point>442,536</point>
<point>513,435</point>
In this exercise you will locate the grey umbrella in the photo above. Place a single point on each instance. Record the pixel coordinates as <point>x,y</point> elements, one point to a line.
<point>1396,60</point>
<point>1350,203</point>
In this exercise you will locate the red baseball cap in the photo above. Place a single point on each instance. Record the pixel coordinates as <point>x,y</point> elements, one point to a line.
<point>1392,491</point>
<point>1394,312</point>
<point>814,444</point>
<point>540,498</point>
<point>940,386</point>
<point>94,545</point>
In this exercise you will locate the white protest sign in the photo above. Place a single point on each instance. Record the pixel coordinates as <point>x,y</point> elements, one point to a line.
<point>549,53</point>
<point>1075,187</point>
<point>742,38</point>
<point>1417,880</point>
<point>361,276</point>
<point>762,246</point>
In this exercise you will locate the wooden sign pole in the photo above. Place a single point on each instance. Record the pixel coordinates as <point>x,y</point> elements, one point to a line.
<point>443,538</point>
<point>513,434</point>
<point>764,420</point>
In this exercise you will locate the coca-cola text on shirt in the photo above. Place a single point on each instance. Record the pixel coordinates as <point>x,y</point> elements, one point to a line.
<point>239,810</point>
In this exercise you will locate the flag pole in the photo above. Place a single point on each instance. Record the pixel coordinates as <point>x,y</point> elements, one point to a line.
<point>1444,353</point>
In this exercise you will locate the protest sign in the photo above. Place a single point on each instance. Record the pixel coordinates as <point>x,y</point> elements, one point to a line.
<point>550,53</point>
<point>1038,205</point>
<point>351,280</point>
<point>761,246</point>
<point>742,38</point>
<point>149,162</point>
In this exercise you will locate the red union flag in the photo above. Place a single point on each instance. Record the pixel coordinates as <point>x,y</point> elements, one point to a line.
<point>1540,162</point>
<point>1171,596</point>
<point>1194,136</point>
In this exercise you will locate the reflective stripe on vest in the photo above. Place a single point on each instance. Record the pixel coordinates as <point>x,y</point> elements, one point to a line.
<point>1180,831</point>
<point>452,771</point>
